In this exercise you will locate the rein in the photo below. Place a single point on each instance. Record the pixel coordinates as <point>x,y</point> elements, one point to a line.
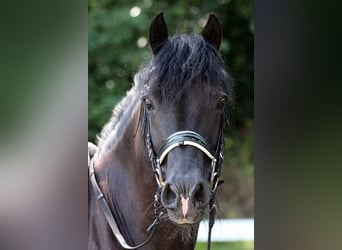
<point>110,218</point>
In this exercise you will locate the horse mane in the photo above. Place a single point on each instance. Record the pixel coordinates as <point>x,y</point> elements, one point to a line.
<point>112,127</point>
<point>182,61</point>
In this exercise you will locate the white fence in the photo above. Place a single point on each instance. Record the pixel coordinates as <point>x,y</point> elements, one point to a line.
<point>228,230</point>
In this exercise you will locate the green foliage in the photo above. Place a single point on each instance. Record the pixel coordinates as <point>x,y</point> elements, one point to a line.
<point>114,57</point>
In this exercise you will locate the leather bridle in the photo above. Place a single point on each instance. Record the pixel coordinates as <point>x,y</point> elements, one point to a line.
<point>178,139</point>
<point>187,138</point>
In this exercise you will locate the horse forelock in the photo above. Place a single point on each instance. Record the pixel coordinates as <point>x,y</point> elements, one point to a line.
<point>184,60</point>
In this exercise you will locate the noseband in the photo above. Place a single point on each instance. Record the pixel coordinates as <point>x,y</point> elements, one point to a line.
<point>185,138</point>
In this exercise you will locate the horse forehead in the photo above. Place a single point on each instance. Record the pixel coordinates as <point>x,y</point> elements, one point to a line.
<point>201,94</point>
<point>195,104</point>
<point>205,87</point>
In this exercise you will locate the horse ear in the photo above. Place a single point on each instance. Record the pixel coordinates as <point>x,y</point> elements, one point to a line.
<point>158,32</point>
<point>212,31</point>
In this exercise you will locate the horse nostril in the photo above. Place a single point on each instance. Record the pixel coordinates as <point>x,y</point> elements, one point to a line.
<point>169,197</point>
<point>200,195</point>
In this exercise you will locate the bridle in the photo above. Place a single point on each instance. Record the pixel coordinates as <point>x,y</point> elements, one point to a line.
<point>178,139</point>
<point>187,138</point>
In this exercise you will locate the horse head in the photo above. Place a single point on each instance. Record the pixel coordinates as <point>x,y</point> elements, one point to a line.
<point>184,102</point>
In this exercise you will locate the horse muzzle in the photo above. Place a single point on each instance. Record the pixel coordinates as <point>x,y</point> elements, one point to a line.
<point>185,193</point>
<point>185,207</point>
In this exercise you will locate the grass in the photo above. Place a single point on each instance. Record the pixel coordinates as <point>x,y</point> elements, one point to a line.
<point>237,245</point>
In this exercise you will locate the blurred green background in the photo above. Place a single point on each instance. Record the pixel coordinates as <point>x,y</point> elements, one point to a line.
<point>118,46</point>
<point>238,245</point>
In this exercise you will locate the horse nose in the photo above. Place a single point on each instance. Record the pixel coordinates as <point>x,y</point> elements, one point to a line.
<point>184,192</point>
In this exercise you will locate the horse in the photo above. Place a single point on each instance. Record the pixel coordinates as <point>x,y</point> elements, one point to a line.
<point>156,166</point>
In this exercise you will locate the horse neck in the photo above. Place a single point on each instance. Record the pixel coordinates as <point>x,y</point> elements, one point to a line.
<point>127,181</point>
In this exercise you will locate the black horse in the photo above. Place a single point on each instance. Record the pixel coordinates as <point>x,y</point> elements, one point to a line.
<point>156,169</point>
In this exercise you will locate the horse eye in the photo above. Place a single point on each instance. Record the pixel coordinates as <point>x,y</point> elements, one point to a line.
<point>222,103</point>
<point>148,104</point>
